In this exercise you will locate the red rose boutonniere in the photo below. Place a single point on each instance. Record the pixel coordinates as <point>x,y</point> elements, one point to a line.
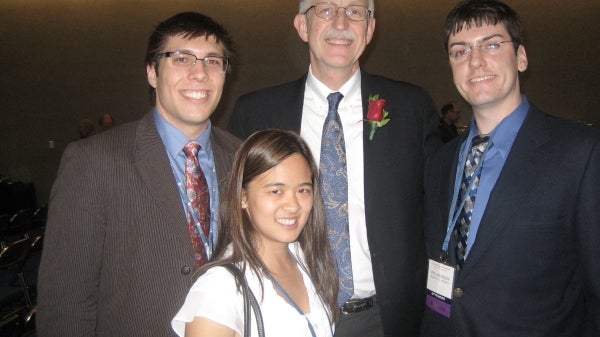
<point>377,115</point>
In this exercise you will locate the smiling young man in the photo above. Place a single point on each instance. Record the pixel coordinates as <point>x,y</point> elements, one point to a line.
<point>512,208</point>
<point>187,93</point>
<point>380,212</point>
<point>120,246</point>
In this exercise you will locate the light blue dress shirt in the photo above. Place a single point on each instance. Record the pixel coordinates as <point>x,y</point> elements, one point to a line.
<point>502,138</point>
<point>174,141</point>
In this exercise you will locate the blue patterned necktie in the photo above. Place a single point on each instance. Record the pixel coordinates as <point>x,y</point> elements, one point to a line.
<point>461,230</point>
<point>334,189</point>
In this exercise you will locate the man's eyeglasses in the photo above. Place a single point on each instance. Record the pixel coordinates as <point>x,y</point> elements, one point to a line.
<point>182,59</point>
<point>328,11</point>
<point>460,52</point>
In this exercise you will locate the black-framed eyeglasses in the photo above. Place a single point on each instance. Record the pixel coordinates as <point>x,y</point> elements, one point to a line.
<point>183,59</point>
<point>328,11</point>
<point>460,52</point>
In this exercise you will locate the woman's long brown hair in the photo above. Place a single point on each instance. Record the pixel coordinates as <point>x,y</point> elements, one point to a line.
<point>262,151</point>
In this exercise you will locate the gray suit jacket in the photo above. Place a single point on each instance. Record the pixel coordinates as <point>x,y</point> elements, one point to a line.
<point>393,171</point>
<point>117,254</point>
<point>533,269</point>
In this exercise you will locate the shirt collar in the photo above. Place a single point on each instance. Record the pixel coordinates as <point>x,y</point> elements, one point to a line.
<point>320,90</point>
<point>175,140</point>
<point>504,134</point>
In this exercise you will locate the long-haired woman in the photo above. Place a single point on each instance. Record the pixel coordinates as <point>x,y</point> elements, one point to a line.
<point>273,227</point>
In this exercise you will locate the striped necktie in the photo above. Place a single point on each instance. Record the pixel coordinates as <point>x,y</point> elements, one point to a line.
<point>470,182</point>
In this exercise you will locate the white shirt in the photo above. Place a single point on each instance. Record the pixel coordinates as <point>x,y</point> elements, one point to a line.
<point>214,296</point>
<point>351,114</point>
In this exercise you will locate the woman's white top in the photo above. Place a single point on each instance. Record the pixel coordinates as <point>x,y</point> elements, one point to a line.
<point>214,296</point>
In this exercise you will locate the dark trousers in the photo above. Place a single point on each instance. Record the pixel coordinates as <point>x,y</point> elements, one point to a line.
<point>360,324</point>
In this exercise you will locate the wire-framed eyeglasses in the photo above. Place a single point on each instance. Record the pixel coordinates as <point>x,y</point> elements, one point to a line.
<point>328,11</point>
<point>183,59</point>
<point>460,52</point>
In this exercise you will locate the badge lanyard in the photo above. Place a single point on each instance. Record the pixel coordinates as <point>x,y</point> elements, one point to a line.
<point>440,275</point>
<point>291,301</point>
<point>207,242</point>
<point>454,208</point>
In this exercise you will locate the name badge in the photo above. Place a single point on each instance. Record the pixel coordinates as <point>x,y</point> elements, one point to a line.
<point>440,282</point>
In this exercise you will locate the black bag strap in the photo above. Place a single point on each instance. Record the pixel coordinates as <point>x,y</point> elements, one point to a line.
<point>249,302</point>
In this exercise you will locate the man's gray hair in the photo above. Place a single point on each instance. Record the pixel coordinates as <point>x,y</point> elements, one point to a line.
<point>305,5</point>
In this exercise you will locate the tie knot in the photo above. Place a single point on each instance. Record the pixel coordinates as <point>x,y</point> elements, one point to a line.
<point>480,140</point>
<point>334,101</point>
<point>191,149</point>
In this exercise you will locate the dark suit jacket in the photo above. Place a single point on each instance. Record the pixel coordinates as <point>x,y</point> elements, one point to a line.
<point>534,265</point>
<point>117,258</point>
<point>393,170</point>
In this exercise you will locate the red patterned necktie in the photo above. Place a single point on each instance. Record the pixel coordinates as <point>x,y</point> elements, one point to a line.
<point>199,200</point>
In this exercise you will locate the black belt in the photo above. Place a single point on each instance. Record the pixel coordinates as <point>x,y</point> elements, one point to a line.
<point>359,304</point>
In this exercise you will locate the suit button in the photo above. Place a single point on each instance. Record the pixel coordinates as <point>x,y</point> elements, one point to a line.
<point>458,293</point>
<point>185,270</point>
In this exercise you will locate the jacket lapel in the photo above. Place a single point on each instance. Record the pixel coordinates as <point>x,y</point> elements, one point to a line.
<point>444,175</point>
<point>154,168</point>
<point>447,172</point>
<point>513,183</point>
<point>292,119</point>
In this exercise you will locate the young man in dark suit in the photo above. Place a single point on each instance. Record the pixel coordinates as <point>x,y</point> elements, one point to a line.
<point>511,222</point>
<point>385,169</point>
<point>118,255</point>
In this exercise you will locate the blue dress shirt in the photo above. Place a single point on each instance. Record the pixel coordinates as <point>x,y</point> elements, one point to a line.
<point>502,139</point>
<point>174,141</point>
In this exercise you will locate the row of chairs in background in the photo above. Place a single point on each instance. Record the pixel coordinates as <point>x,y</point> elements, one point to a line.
<point>26,221</point>
<point>21,241</point>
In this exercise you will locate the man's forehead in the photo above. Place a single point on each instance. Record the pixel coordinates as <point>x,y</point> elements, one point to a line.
<point>186,40</point>
<point>469,28</point>
<point>344,2</point>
